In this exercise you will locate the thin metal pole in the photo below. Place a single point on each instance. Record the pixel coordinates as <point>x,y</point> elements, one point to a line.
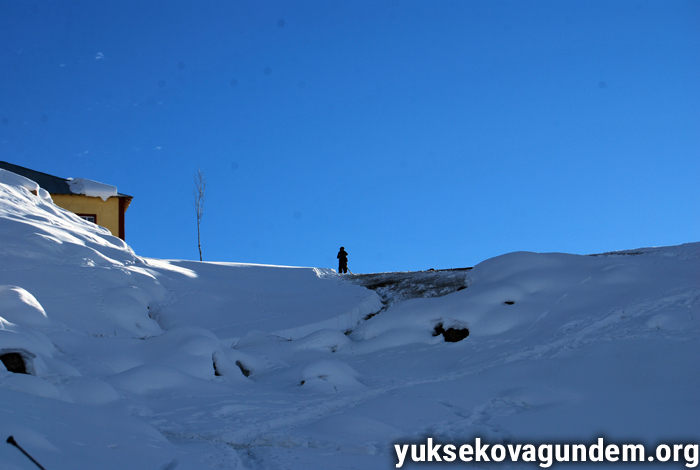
<point>11,440</point>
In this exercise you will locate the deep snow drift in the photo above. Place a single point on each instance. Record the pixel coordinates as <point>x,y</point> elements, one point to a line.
<point>154,364</point>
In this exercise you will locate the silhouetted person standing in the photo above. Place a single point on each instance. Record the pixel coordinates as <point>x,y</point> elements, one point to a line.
<point>342,260</point>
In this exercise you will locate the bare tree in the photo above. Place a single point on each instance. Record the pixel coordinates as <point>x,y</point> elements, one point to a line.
<point>200,185</point>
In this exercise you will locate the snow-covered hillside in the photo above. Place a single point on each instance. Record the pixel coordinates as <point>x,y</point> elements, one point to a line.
<point>159,364</point>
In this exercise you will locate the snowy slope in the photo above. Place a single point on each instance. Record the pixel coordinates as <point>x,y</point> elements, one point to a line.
<point>143,363</point>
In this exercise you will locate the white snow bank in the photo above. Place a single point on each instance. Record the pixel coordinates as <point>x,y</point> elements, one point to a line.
<point>54,254</point>
<point>19,181</point>
<point>232,299</point>
<point>13,179</point>
<point>91,188</point>
<point>24,217</point>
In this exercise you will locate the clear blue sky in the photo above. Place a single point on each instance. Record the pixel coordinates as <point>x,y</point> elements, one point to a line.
<point>418,134</point>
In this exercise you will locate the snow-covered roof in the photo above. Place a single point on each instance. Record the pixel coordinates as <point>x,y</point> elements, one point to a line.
<point>91,188</point>
<point>57,185</point>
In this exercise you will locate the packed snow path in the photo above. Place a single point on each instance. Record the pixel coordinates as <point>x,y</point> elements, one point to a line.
<point>143,363</point>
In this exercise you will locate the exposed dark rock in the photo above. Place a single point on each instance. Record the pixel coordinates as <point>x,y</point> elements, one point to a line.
<point>14,362</point>
<point>451,335</point>
<point>621,253</point>
<point>400,286</point>
<point>216,371</point>
<point>245,371</point>
<point>509,302</point>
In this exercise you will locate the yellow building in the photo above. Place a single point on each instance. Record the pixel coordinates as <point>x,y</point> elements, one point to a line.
<point>95,202</point>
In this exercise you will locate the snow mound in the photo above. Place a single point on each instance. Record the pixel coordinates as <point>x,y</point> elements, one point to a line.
<point>322,340</point>
<point>20,307</point>
<point>330,376</point>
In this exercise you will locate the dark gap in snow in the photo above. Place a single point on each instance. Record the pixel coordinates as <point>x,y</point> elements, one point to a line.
<point>14,362</point>
<point>216,371</point>
<point>245,371</point>
<point>154,314</point>
<point>371,315</point>
<point>451,335</point>
<point>509,302</point>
